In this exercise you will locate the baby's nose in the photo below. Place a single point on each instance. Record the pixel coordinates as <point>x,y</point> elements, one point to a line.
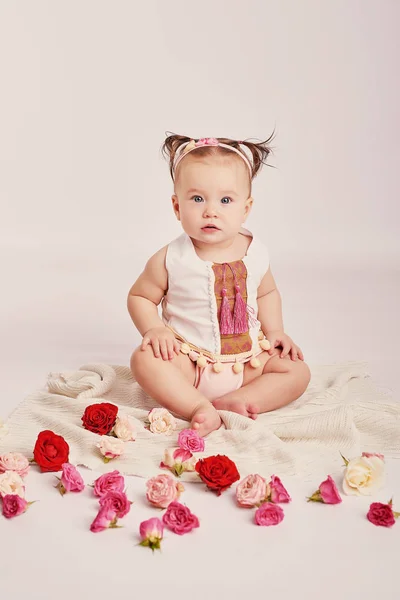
<point>210,210</point>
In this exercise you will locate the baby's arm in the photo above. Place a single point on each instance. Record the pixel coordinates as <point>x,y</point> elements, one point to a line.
<point>270,316</point>
<point>143,298</point>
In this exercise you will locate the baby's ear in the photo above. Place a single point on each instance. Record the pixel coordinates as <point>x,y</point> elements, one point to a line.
<point>248,205</point>
<point>175,206</point>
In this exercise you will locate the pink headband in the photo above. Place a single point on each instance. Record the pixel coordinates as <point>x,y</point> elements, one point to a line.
<point>192,145</point>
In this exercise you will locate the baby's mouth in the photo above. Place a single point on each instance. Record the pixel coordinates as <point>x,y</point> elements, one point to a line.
<point>210,227</point>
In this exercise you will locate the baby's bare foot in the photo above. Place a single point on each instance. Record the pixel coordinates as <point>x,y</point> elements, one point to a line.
<point>242,407</point>
<point>205,419</point>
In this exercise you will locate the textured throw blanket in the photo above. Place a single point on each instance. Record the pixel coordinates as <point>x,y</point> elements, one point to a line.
<point>341,411</point>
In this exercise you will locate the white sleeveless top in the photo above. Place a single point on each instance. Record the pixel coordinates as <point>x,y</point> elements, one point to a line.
<point>190,307</point>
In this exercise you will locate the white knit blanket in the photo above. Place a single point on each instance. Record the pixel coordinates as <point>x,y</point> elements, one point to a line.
<point>341,411</point>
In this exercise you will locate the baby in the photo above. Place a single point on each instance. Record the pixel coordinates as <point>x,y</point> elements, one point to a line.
<point>220,343</point>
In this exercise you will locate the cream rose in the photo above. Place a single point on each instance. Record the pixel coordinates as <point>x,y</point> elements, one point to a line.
<point>161,421</point>
<point>124,429</point>
<point>14,461</point>
<point>364,476</point>
<point>111,447</point>
<point>11,483</point>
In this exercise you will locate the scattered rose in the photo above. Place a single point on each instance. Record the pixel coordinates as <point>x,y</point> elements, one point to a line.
<point>179,519</point>
<point>124,429</point>
<point>189,439</point>
<point>364,475</point>
<point>110,448</point>
<point>382,514</point>
<point>100,418</point>
<point>178,461</point>
<point>109,482</point>
<point>71,480</point>
<point>14,505</point>
<point>217,472</point>
<point>105,519</point>
<point>252,491</point>
<point>116,502</point>
<point>11,484</point>
<point>51,451</point>
<point>162,490</point>
<point>278,492</point>
<point>14,461</point>
<point>151,533</point>
<point>161,421</point>
<point>326,493</point>
<point>269,514</point>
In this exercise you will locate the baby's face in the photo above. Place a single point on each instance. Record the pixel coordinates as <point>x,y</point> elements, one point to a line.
<point>212,198</point>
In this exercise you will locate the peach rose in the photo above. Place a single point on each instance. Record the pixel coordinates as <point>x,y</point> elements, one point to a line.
<point>252,491</point>
<point>14,461</point>
<point>162,490</point>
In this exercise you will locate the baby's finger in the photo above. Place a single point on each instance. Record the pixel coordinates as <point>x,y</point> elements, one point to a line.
<point>272,342</point>
<point>294,353</point>
<point>170,347</point>
<point>300,353</point>
<point>286,349</point>
<point>164,349</point>
<point>156,347</point>
<point>145,343</point>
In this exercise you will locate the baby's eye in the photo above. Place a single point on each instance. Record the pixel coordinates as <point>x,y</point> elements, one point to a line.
<point>226,200</point>
<point>197,198</point>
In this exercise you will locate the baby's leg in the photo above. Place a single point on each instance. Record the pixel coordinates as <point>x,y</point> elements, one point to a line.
<point>171,383</point>
<point>277,382</point>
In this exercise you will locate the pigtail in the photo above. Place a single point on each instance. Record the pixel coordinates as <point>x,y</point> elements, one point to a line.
<point>170,146</point>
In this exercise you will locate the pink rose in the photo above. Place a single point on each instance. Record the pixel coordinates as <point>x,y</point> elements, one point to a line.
<point>382,514</point>
<point>251,491</point>
<point>109,482</point>
<point>71,479</point>
<point>326,493</point>
<point>178,461</point>
<point>269,514</point>
<point>104,519</point>
<point>162,490</point>
<point>278,492</point>
<point>179,519</point>
<point>151,533</point>
<point>14,505</point>
<point>189,439</point>
<point>369,454</point>
<point>14,461</point>
<point>116,502</point>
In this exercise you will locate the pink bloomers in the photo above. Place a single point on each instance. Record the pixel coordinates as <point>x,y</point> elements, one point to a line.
<point>214,385</point>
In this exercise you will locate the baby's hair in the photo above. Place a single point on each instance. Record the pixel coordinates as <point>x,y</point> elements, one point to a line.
<point>259,150</point>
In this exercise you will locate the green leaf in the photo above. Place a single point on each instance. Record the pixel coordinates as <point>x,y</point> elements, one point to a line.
<point>346,462</point>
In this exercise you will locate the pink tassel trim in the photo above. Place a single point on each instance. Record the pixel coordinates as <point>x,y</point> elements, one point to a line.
<point>225,321</point>
<point>239,313</point>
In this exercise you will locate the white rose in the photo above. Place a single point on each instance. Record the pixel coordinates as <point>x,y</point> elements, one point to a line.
<point>11,483</point>
<point>363,476</point>
<point>161,421</point>
<point>124,429</point>
<point>177,456</point>
<point>111,447</point>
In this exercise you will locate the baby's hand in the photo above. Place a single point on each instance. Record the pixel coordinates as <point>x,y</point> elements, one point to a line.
<point>278,338</point>
<point>163,342</point>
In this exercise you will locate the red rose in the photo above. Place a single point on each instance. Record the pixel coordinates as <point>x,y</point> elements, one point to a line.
<point>50,452</point>
<point>100,418</point>
<point>217,472</point>
<point>381,514</point>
